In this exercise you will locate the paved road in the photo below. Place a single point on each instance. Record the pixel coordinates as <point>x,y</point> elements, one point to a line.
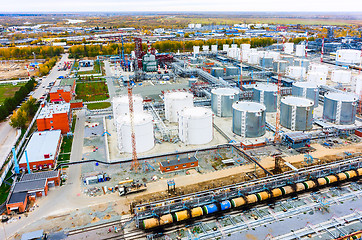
<point>109,78</point>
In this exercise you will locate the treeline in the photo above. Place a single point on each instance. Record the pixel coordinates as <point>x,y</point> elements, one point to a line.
<point>21,117</point>
<point>47,66</point>
<point>80,51</point>
<point>41,52</point>
<point>11,103</point>
<point>300,39</point>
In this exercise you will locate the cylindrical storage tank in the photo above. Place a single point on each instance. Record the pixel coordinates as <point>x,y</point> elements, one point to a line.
<point>351,174</point>
<point>253,58</point>
<point>287,190</point>
<point>296,72</point>
<point>262,196</point>
<point>214,48</point>
<point>306,90</point>
<point>217,72</point>
<point>302,63</point>
<point>182,215</point>
<point>196,212</point>
<point>296,113</point>
<point>232,71</point>
<point>276,192</point>
<point>237,202</point>
<point>222,100</point>
<point>280,66</point>
<point>245,54</point>
<point>341,176</point>
<point>358,82</point>
<point>318,68</point>
<point>340,108</point>
<point>224,205</point>
<point>321,181</point>
<point>195,125</point>
<point>211,208</point>
<point>266,94</point>
<point>251,198</point>
<point>120,105</point>
<point>341,76</point>
<point>245,46</point>
<point>300,50</point>
<point>309,184</point>
<point>192,81</point>
<point>288,47</point>
<point>196,49</point>
<point>225,47</point>
<point>289,59</point>
<point>266,62</point>
<point>318,78</point>
<point>249,119</point>
<point>143,129</point>
<point>348,56</point>
<point>175,102</point>
<point>299,187</point>
<point>331,179</point>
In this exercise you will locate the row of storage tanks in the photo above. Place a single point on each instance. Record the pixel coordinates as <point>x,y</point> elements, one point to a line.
<point>246,200</point>
<point>296,111</point>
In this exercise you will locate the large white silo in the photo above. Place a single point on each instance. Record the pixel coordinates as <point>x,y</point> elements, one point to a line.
<point>288,47</point>
<point>225,47</point>
<point>341,76</point>
<point>176,101</point>
<point>195,125</point>
<point>143,129</point>
<point>318,68</point>
<point>245,46</point>
<point>348,56</point>
<point>120,105</point>
<point>358,81</point>
<point>296,72</point>
<point>318,78</point>
<point>214,48</point>
<point>253,58</point>
<point>196,49</point>
<point>300,50</point>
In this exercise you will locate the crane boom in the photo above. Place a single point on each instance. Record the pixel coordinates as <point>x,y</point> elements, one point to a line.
<point>277,119</point>
<point>135,163</point>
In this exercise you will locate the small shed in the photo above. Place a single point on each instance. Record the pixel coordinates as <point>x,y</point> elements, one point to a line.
<point>297,139</point>
<point>178,164</point>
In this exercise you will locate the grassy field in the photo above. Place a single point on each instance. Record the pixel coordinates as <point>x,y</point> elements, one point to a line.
<point>8,90</point>
<point>66,145</point>
<point>101,105</point>
<point>92,91</point>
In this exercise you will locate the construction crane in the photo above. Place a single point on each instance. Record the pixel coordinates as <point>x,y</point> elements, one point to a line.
<point>135,164</point>
<point>277,137</point>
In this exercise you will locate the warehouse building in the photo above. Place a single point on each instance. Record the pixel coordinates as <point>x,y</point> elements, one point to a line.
<point>54,117</point>
<point>17,202</point>
<point>42,150</point>
<point>52,177</point>
<point>61,93</point>
<point>178,164</point>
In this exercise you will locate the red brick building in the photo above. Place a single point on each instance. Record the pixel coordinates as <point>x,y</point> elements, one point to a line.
<point>55,116</point>
<point>42,150</point>
<point>178,164</point>
<point>17,202</point>
<point>53,177</point>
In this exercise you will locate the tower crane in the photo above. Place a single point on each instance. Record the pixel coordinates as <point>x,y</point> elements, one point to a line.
<point>135,164</point>
<point>277,130</point>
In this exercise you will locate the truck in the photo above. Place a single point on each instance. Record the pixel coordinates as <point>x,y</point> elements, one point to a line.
<point>133,188</point>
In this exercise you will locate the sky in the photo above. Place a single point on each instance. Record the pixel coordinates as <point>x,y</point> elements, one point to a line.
<point>179,5</point>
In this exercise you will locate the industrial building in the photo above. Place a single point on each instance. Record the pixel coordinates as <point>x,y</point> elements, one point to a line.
<point>55,116</point>
<point>178,164</point>
<point>42,150</point>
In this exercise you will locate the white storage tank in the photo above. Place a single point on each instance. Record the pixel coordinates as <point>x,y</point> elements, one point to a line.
<point>300,50</point>
<point>266,94</point>
<point>318,68</point>
<point>340,108</point>
<point>249,119</point>
<point>302,62</point>
<point>143,129</point>
<point>225,47</point>
<point>266,62</point>
<point>195,125</point>
<point>245,54</point>
<point>222,100</point>
<point>214,48</point>
<point>245,46</point>
<point>205,48</point>
<point>348,56</point>
<point>288,47</point>
<point>296,113</point>
<point>306,90</point>
<point>196,49</point>
<point>358,82</point>
<point>318,78</point>
<point>341,76</point>
<point>290,59</point>
<point>253,58</point>
<point>175,102</point>
<point>296,72</point>
<point>120,105</point>
<point>280,66</point>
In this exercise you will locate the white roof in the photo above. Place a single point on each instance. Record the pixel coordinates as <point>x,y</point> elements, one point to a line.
<point>49,110</point>
<point>41,143</point>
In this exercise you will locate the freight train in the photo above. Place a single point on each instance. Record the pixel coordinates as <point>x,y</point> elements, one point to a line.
<point>241,201</point>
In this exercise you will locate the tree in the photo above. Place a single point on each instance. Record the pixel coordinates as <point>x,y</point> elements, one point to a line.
<point>19,119</point>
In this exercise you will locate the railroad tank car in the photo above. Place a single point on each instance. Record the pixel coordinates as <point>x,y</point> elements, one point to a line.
<point>276,192</point>
<point>182,215</point>
<point>237,202</point>
<point>249,199</point>
<point>224,205</point>
<point>252,198</point>
<point>211,208</point>
<point>196,212</point>
<point>262,196</point>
